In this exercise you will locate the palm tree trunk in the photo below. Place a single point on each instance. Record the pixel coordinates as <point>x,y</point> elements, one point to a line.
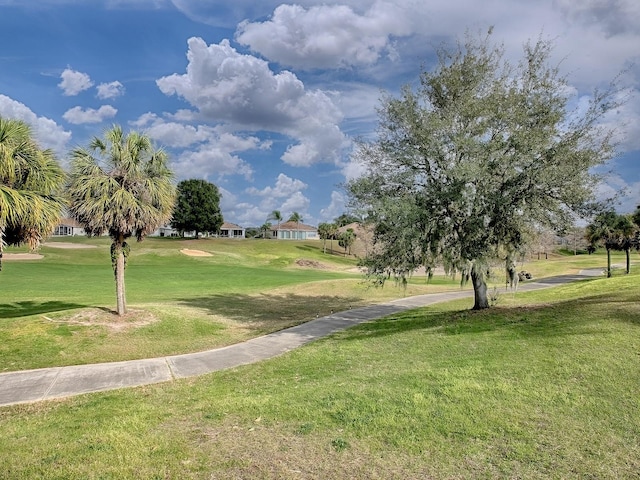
<point>119,274</point>
<point>1,246</point>
<point>608,263</point>
<point>480,299</point>
<point>628,252</point>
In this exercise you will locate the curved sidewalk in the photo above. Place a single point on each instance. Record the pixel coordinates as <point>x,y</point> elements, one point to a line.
<point>57,382</point>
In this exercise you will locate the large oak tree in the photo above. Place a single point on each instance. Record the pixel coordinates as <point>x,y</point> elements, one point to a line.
<point>197,207</point>
<point>469,163</point>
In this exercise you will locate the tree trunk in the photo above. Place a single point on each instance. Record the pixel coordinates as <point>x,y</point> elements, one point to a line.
<point>1,246</point>
<point>628,252</point>
<point>119,274</point>
<point>608,263</point>
<point>480,299</point>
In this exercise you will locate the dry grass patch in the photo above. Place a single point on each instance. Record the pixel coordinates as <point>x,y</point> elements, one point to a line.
<point>304,262</point>
<point>91,317</point>
<point>233,450</point>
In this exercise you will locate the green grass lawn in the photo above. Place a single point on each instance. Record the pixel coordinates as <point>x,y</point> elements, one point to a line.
<point>58,310</point>
<point>543,386</point>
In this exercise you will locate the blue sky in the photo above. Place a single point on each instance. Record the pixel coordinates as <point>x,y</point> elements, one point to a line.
<point>265,98</point>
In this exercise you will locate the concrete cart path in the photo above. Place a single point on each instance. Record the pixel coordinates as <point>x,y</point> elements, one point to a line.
<point>57,382</point>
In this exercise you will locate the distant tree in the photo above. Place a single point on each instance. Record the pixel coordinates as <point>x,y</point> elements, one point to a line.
<point>346,239</point>
<point>264,229</point>
<point>121,185</point>
<point>625,230</point>
<point>346,219</point>
<point>252,232</point>
<point>469,162</point>
<point>296,217</point>
<point>602,231</point>
<point>333,234</point>
<point>197,207</point>
<point>277,216</point>
<point>635,216</point>
<point>325,231</point>
<point>30,185</point>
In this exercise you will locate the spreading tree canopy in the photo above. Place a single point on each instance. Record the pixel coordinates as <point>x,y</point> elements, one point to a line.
<point>197,207</point>
<point>30,184</point>
<point>470,162</point>
<point>120,185</point>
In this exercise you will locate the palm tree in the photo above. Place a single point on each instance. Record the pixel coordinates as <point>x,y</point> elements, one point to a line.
<point>265,229</point>
<point>324,231</point>
<point>333,233</point>
<point>125,190</point>
<point>30,183</point>
<point>602,231</point>
<point>296,217</point>
<point>277,216</point>
<point>346,239</point>
<point>625,230</point>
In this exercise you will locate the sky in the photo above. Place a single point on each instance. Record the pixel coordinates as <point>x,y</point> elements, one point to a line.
<point>265,99</point>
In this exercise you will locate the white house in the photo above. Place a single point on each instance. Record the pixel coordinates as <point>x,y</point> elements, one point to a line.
<point>165,231</point>
<point>231,230</point>
<point>68,227</point>
<point>294,231</point>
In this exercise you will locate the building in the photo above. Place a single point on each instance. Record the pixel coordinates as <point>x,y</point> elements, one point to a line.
<point>231,230</point>
<point>294,231</point>
<point>68,227</point>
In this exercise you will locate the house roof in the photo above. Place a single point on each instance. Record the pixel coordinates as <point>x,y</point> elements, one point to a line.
<point>230,226</point>
<point>293,226</point>
<point>70,222</point>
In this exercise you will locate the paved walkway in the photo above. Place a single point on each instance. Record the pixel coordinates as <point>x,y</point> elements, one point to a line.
<point>57,382</point>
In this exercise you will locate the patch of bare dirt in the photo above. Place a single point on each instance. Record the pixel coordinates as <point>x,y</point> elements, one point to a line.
<point>303,262</point>
<point>195,253</point>
<point>101,317</point>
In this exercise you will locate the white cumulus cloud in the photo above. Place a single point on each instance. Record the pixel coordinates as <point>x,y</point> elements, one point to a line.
<point>110,90</point>
<point>78,115</point>
<point>47,133</point>
<point>325,36</point>
<point>74,82</point>
<point>285,186</point>
<point>241,90</point>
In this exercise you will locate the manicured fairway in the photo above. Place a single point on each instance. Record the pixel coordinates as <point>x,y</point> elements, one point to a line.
<point>59,310</point>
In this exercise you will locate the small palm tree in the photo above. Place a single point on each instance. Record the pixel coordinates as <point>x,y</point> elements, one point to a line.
<point>30,183</point>
<point>324,231</point>
<point>333,233</point>
<point>625,230</point>
<point>602,232</point>
<point>346,239</point>
<point>123,186</point>
<point>296,217</point>
<point>265,229</point>
<point>277,216</point>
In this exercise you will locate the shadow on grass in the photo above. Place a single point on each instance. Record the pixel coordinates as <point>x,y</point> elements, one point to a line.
<point>277,311</point>
<point>570,317</point>
<point>26,308</point>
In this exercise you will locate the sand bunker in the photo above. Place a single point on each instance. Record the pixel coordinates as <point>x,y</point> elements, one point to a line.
<point>67,245</point>
<point>21,256</point>
<point>195,253</point>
